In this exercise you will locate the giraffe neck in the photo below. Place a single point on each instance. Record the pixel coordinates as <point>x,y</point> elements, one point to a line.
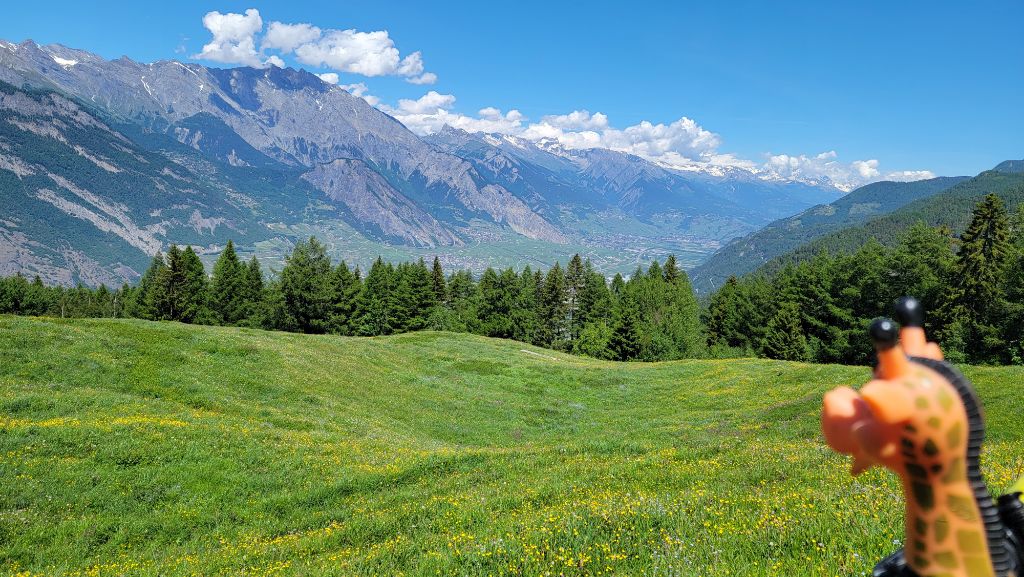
<point>961,498</point>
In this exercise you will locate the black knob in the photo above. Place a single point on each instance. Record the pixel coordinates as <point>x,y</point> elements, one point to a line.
<point>884,333</point>
<point>909,312</point>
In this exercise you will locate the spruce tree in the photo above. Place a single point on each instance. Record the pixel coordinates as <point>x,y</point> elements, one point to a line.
<point>346,286</point>
<point>143,298</point>
<point>376,310</point>
<point>624,342</point>
<point>979,297</point>
<point>306,286</point>
<point>227,287</point>
<point>575,284</point>
<point>552,331</point>
<point>253,306</point>
<point>193,293</point>
<point>438,282</point>
<point>784,338</point>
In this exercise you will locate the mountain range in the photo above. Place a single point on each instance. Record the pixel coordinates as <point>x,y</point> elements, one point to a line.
<point>105,162</point>
<point>879,211</point>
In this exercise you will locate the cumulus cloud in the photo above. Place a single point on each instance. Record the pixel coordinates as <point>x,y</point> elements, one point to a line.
<point>330,77</point>
<point>683,144</point>
<point>846,176</point>
<point>233,38</point>
<point>288,37</point>
<point>349,51</point>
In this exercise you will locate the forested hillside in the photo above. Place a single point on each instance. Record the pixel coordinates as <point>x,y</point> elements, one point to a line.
<point>747,254</point>
<point>951,209</point>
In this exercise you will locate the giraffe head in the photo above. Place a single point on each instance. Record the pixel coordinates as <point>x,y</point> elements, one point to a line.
<point>867,424</point>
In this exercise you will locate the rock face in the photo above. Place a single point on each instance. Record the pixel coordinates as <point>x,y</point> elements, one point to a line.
<point>103,163</point>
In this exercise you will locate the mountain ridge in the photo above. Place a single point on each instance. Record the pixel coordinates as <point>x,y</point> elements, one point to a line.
<point>364,182</point>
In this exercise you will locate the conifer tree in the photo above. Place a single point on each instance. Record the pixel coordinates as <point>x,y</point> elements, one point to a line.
<point>438,282</point>
<point>306,286</point>
<point>575,284</point>
<point>143,299</point>
<point>194,290</point>
<point>345,290</point>
<point>524,310</point>
<point>784,338</point>
<point>376,309</point>
<point>979,297</point>
<point>624,343</point>
<point>416,295</point>
<point>552,329</point>
<point>227,288</point>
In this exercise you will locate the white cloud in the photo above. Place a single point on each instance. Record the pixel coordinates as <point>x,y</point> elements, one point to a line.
<point>577,120</point>
<point>827,166</point>
<point>425,78</point>
<point>359,90</point>
<point>288,37</point>
<point>330,77</point>
<point>351,51</point>
<point>233,38</point>
<point>682,144</point>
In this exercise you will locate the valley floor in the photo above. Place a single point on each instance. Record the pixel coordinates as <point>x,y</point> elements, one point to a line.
<point>131,447</point>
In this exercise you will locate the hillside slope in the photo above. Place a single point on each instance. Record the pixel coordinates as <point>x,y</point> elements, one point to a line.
<point>155,448</point>
<point>951,208</point>
<point>748,253</point>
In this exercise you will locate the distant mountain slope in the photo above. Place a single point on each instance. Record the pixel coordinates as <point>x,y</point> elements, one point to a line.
<point>265,156</point>
<point>748,253</point>
<point>1010,166</point>
<point>950,208</point>
<point>82,202</point>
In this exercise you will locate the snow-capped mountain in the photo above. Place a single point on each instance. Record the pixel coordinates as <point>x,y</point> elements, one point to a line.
<point>196,155</point>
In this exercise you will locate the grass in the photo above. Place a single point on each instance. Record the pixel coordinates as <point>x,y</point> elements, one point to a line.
<point>129,447</point>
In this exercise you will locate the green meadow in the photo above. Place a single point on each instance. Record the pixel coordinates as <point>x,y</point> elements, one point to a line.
<point>142,448</point>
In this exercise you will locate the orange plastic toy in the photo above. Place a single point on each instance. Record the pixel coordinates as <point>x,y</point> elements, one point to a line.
<point>920,418</point>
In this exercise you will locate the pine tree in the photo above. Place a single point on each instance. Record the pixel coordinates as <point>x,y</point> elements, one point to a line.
<point>416,291</point>
<point>143,298</point>
<point>306,286</point>
<point>376,310</point>
<point>624,343</point>
<point>979,300</point>
<point>575,284</point>
<point>439,284</point>
<point>227,288</point>
<point>671,269</point>
<point>193,293</point>
<point>552,331</point>
<point>253,306</point>
<point>524,310</point>
<point>784,339</point>
<point>346,286</point>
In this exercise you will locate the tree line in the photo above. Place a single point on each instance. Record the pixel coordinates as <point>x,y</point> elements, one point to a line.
<point>651,316</point>
<point>972,287</point>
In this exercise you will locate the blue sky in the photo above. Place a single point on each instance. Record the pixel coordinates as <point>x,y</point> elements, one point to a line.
<point>912,85</point>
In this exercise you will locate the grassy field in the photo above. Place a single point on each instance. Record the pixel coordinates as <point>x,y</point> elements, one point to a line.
<point>129,447</point>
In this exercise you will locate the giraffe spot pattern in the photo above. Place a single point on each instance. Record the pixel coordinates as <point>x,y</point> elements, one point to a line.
<point>962,507</point>
<point>969,541</point>
<point>934,422</point>
<point>946,560</point>
<point>945,399</point>
<point>956,471</point>
<point>954,435</point>
<point>923,495</point>
<point>941,529</point>
<point>930,448</point>
<point>921,403</point>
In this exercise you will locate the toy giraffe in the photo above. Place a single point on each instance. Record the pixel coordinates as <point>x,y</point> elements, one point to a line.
<point>920,418</point>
